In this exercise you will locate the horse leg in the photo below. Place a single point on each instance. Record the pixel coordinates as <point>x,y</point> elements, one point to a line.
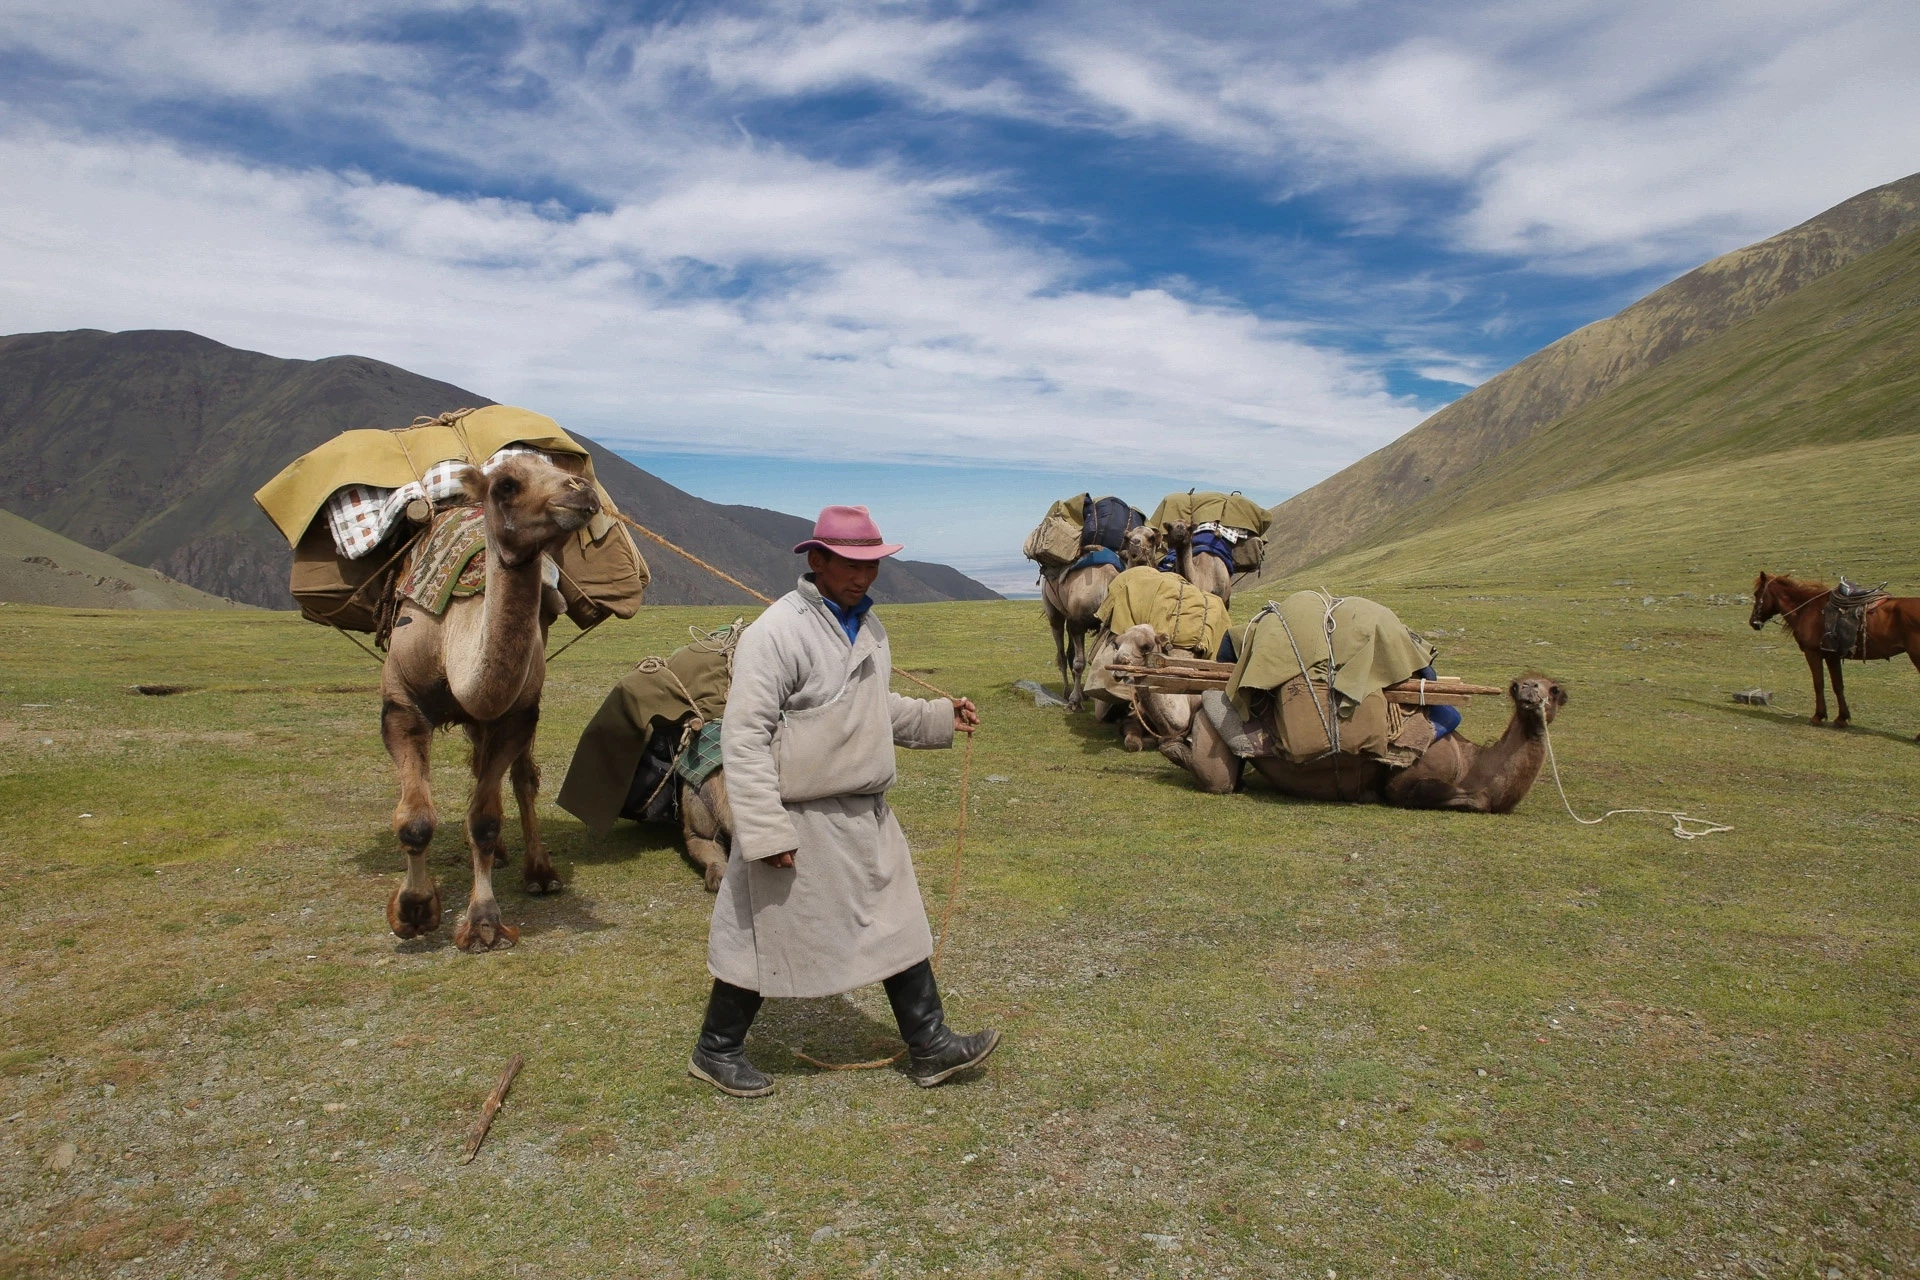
<point>1819,687</point>
<point>536,866</point>
<point>1839,694</point>
<point>414,907</point>
<point>495,745</point>
<point>1913,656</point>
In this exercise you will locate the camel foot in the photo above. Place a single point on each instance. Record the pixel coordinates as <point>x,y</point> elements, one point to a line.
<point>1176,750</point>
<point>411,914</point>
<point>713,875</point>
<point>541,878</point>
<point>480,929</point>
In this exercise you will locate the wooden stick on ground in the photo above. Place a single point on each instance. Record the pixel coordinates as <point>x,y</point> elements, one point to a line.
<point>478,1134</point>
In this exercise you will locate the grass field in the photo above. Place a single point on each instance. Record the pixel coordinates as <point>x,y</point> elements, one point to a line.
<point>1244,1036</point>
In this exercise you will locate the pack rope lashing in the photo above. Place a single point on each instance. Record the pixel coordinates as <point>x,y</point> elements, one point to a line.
<point>1680,820</point>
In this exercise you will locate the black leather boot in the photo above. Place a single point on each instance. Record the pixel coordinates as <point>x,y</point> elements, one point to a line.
<point>720,1055</point>
<point>936,1052</point>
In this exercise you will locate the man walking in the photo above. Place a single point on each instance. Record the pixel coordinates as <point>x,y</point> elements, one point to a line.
<point>819,896</point>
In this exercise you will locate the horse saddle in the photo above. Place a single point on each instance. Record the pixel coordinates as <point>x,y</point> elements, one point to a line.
<point>1845,617</point>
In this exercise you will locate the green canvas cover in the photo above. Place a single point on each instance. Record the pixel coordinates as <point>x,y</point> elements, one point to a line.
<point>657,693</point>
<point>1371,648</point>
<point>1074,509</point>
<point>1178,610</point>
<point>1229,509</point>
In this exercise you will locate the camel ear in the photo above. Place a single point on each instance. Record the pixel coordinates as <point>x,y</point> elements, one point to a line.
<point>1513,690</point>
<point>473,482</point>
<point>1559,696</point>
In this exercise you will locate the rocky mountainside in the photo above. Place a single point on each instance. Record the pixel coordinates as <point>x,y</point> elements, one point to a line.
<point>38,566</point>
<point>148,445</point>
<point>1468,438</point>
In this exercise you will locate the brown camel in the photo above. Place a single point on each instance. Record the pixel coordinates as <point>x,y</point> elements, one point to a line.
<point>706,826</point>
<point>1453,774</point>
<point>1205,571</point>
<point>1153,718</point>
<point>1071,599</point>
<point>481,665</point>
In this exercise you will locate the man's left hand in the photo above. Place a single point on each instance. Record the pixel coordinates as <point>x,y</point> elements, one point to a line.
<point>965,717</point>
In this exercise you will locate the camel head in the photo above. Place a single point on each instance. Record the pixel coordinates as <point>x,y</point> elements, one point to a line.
<point>1179,534</point>
<point>1537,698</point>
<point>1764,606</point>
<point>531,504</point>
<point>1137,642</point>
<point>1144,545</point>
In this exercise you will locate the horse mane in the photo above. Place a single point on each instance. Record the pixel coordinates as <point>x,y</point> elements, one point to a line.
<point>1800,584</point>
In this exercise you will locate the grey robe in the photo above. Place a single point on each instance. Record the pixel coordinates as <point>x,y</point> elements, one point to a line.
<point>808,741</point>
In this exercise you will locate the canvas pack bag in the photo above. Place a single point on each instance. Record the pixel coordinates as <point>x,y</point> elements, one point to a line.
<point>602,573</point>
<point>1054,543</point>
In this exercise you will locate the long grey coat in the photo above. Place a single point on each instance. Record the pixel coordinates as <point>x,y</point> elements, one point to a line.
<point>808,741</point>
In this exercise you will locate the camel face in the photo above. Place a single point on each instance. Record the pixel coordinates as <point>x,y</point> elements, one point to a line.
<point>531,504</point>
<point>1143,545</point>
<point>1537,697</point>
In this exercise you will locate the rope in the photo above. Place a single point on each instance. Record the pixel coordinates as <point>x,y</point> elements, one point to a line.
<point>716,571</point>
<point>1680,820</point>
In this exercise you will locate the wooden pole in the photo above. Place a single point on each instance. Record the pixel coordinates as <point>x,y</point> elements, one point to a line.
<point>478,1134</point>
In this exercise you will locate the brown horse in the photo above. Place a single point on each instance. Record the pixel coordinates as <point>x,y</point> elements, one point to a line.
<point>1892,626</point>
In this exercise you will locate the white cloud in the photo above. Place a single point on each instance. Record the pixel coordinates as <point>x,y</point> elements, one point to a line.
<point>896,329</point>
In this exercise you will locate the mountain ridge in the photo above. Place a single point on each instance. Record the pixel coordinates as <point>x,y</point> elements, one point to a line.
<point>1351,507</point>
<point>149,444</point>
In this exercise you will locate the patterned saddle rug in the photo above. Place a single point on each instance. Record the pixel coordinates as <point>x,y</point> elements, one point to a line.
<point>449,561</point>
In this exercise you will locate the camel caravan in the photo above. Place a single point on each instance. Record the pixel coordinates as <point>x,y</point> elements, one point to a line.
<point>1328,698</point>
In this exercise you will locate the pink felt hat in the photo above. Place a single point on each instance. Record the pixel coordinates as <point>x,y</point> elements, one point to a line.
<point>849,532</point>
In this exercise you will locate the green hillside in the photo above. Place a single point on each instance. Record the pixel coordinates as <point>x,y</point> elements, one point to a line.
<point>1789,441</point>
<point>1360,504</point>
<point>38,566</point>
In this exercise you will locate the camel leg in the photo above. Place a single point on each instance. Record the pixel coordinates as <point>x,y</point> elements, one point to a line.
<point>1077,657</point>
<point>536,866</point>
<point>495,745</point>
<point>414,907</point>
<point>1819,688</point>
<point>1059,624</point>
<point>1215,769</point>
<point>1839,694</point>
<point>703,829</point>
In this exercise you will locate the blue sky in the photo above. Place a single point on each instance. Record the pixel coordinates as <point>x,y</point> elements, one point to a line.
<point>950,259</point>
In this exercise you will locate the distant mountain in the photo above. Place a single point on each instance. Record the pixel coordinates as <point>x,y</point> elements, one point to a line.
<point>1788,441</point>
<point>1409,482</point>
<point>149,444</point>
<point>38,566</point>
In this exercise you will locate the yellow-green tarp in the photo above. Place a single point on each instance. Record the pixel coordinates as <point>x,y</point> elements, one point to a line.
<point>1177,610</point>
<point>1371,648</point>
<point>389,459</point>
<point>1229,509</point>
<point>1074,509</point>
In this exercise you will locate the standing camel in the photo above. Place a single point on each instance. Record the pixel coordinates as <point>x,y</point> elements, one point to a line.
<point>1454,773</point>
<point>1203,569</point>
<point>1891,626</point>
<point>480,665</point>
<point>1071,598</point>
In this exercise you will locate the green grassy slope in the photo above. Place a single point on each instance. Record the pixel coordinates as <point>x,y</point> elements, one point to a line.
<point>1244,1036</point>
<point>1351,507</point>
<point>38,566</point>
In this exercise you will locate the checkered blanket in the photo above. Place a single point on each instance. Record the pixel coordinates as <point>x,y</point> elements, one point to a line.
<point>701,757</point>
<point>361,515</point>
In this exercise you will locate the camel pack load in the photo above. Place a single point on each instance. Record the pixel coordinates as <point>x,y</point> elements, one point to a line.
<point>374,515</point>
<point>1228,525</point>
<point>1075,526</point>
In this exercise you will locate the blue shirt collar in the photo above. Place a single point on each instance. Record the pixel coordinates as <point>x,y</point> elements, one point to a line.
<point>849,619</point>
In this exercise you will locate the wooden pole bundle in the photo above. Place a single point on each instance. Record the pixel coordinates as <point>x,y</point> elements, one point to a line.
<point>1194,675</point>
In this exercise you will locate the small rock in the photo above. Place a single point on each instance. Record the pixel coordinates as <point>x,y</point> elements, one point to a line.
<point>821,1236</point>
<point>349,1043</point>
<point>995,777</point>
<point>334,1108</point>
<point>106,1091</point>
<point>1169,1243</point>
<point>1480,1071</point>
<point>63,1156</point>
<point>968,1158</point>
<point>1754,697</point>
<point>86,815</point>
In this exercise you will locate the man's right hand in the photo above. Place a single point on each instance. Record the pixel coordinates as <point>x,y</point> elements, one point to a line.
<point>782,859</point>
